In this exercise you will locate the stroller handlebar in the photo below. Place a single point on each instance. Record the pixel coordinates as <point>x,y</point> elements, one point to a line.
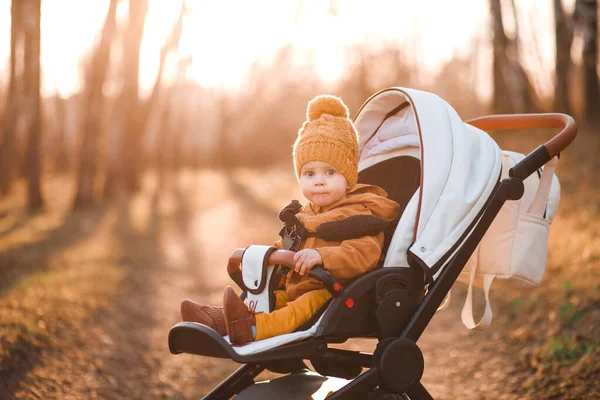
<point>540,156</point>
<point>531,121</point>
<point>285,258</point>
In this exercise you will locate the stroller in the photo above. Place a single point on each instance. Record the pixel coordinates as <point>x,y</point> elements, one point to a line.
<point>445,174</point>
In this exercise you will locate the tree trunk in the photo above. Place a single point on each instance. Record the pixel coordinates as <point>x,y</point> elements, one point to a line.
<point>162,141</point>
<point>224,150</point>
<point>91,127</point>
<point>501,96</point>
<point>171,45</point>
<point>12,109</point>
<point>524,89</point>
<point>61,152</point>
<point>130,149</point>
<point>152,104</point>
<point>181,126</point>
<point>588,14</point>
<point>31,75</point>
<point>113,137</point>
<point>563,40</point>
<point>178,133</point>
<point>513,90</point>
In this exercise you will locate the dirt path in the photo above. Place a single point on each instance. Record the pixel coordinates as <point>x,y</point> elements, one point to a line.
<point>173,247</point>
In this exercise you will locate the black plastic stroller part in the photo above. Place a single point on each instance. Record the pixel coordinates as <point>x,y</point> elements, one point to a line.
<point>286,366</point>
<point>241,379</point>
<point>341,363</point>
<point>531,163</point>
<point>293,233</point>
<point>334,368</point>
<point>397,295</point>
<point>194,338</point>
<point>328,280</point>
<point>352,227</point>
<point>354,312</point>
<point>400,365</point>
<point>515,188</point>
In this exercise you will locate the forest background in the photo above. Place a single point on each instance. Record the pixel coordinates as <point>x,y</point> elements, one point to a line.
<point>134,132</point>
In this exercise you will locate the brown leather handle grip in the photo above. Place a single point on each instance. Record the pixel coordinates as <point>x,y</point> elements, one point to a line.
<point>280,257</point>
<point>532,121</point>
<point>284,258</point>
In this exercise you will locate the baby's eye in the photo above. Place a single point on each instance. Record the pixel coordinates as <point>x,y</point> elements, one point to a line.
<point>309,173</point>
<point>330,172</point>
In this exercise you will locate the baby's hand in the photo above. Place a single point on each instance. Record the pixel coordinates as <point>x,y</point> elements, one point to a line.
<point>305,259</point>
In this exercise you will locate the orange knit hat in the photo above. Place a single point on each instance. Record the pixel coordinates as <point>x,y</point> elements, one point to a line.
<point>328,135</point>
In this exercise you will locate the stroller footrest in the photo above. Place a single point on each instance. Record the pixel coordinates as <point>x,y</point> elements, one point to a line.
<point>194,338</point>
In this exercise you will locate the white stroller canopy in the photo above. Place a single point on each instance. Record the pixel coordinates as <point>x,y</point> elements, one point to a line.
<point>460,165</point>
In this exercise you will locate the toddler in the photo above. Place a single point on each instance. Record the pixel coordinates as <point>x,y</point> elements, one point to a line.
<point>326,164</point>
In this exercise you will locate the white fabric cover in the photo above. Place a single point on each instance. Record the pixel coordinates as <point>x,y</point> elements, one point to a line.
<point>397,132</point>
<point>512,253</point>
<point>253,263</point>
<point>460,166</point>
<point>372,159</point>
<point>275,341</point>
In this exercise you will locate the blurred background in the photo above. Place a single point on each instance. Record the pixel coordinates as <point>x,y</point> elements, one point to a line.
<point>141,141</point>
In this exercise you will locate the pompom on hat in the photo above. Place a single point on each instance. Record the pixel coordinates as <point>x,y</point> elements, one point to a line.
<point>328,135</point>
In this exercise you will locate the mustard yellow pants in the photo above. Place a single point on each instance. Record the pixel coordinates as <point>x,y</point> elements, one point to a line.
<point>288,316</point>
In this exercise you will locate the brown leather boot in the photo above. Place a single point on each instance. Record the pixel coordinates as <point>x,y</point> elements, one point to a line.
<point>239,318</point>
<point>210,316</point>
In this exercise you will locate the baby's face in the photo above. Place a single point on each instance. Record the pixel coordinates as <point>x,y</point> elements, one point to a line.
<point>321,183</point>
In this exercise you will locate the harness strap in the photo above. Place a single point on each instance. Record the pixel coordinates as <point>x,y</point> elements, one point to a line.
<point>352,227</point>
<point>294,233</point>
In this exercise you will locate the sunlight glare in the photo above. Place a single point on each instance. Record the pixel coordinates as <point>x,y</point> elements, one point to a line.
<point>225,38</point>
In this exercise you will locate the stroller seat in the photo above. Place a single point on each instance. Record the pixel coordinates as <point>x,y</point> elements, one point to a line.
<point>445,174</point>
<point>399,177</point>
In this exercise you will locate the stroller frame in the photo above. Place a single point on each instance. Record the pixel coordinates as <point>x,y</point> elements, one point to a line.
<point>397,363</point>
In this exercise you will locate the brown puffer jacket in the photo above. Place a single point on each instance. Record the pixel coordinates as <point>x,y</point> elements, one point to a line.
<point>350,258</point>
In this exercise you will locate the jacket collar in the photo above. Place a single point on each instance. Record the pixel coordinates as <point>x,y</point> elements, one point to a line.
<point>359,187</point>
